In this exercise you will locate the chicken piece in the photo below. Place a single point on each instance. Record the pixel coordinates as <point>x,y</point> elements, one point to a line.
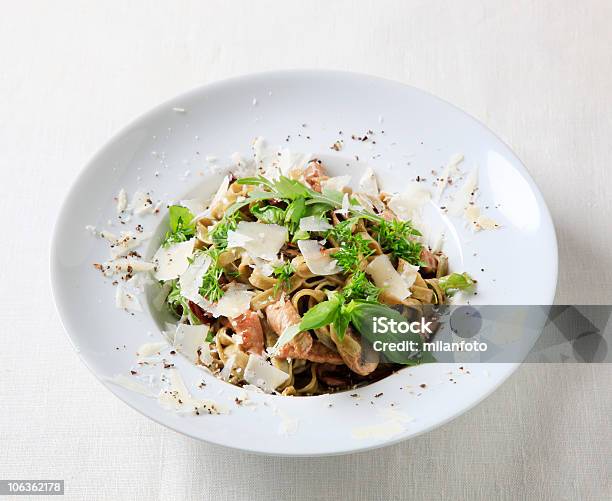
<point>322,354</point>
<point>248,326</point>
<point>354,353</point>
<point>314,174</point>
<point>281,315</point>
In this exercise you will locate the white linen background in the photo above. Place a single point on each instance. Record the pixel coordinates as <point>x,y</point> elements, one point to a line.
<point>538,73</point>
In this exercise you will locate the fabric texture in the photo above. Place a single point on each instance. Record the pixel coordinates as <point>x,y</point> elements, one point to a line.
<point>538,73</point>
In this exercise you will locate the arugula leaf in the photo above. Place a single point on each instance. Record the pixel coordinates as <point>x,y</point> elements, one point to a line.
<point>295,211</point>
<point>269,214</point>
<point>457,281</point>
<point>179,305</point>
<point>182,226</point>
<point>253,196</point>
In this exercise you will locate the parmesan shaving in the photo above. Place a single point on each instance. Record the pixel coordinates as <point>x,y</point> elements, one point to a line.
<point>387,278</point>
<point>264,375</point>
<point>313,223</point>
<point>172,261</point>
<point>317,261</point>
<point>126,301</point>
<point>258,239</point>
<point>368,183</point>
<point>189,338</point>
<point>407,205</point>
<point>121,201</point>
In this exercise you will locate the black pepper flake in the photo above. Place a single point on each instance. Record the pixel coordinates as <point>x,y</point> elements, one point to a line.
<point>354,395</point>
<point>133,373</point>
<point>423,385</point>
<point>378,395</point>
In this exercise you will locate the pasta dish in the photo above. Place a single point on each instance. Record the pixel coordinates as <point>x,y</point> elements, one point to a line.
<point>275,284</point>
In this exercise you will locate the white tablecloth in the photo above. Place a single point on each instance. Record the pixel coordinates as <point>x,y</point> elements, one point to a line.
<point>538,73</point>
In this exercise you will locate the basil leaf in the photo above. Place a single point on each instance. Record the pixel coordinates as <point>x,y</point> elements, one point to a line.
<point>321,315</point>
<point>341,323</point>
<point>362,317</point>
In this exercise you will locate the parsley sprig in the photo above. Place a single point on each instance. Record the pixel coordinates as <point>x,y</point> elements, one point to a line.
<point>353,248</point>
<point>218,233</point>
<point>283,274</point>
<point>396,237</point>
<point>211,287</point>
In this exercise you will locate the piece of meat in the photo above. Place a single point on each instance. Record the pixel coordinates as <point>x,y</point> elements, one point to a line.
<point>298,348</point>
<point>431,262</point>
<point>281,315</point>
<point>202,315</point>
<point>355,355</point>
<point>314,174</point>
<point>323,355</point>
<point>248,326</point>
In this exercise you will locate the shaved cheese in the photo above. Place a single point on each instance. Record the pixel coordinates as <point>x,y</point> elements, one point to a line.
<point>130,384</point>
<point>317,261</point>
<point>274,162</point>
<point>127,242</point>
<point>264,375</point>
<point>226,372</point>
<point>368,183</point>
<point>205,354</point>
<point>126,300</point>
<point>191,279</point>
<point>408,273</point>
<point>176,397</point>
<point>219,195</point>
<point>346,205</point>
<point>189,338</point>
<point>336,183</point>
<point>173,260</point>
<point>258,239</point>
<point>235,301</point>
<point>128,264</point>
<point>387,278</point>
<point>107,235</point>
<point>464,195</point>
<point>121,201</point>
<point>142,204</point>
<point>407,204</point>
<point>314,223</point>
<point>477,221</point>
<point>149,349</point>
<point>450,169</point>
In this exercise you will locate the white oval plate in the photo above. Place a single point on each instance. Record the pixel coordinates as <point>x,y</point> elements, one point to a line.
<point>165,152</point>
